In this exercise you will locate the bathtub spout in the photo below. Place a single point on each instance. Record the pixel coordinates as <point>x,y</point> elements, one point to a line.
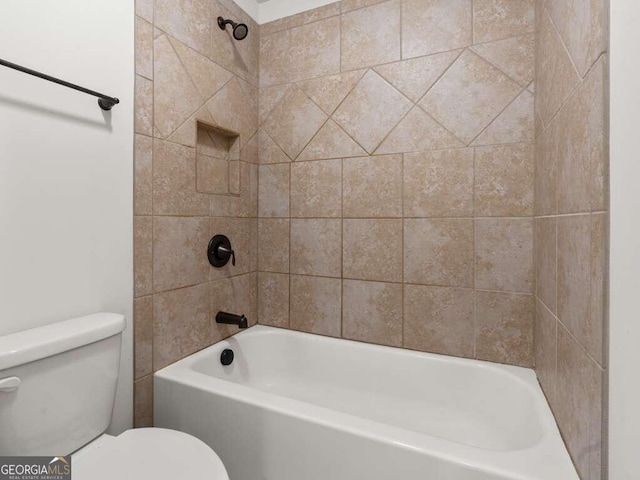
<point>231,319</point>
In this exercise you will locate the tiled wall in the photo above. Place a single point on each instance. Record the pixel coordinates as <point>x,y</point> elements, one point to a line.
<point>571,222</point>
<point>397,173</point>
<point>187,70</point>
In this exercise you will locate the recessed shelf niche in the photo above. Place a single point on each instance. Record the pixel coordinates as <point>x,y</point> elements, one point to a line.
<point>218,155</point>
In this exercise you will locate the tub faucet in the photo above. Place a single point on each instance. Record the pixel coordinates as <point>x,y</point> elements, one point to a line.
<point>231,319</point>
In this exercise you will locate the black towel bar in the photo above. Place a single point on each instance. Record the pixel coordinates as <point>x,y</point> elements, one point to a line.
<point>106,102</point>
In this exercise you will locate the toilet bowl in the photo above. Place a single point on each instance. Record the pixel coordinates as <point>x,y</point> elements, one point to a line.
<point>57,392</point>
<point>147,453</point>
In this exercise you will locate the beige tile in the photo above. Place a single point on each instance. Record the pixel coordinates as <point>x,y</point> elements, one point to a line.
<point>371,36</point>
<point>545,348</point>
<point>415,76</point>
<point>599,285</point>
<point>372,249</point>
<point>180,324</point>
<point>294,122</point>
<point>582,25</point>
<point>582,162</point>
<point>207,76</point>
<point>315,49</point>
<point>514,56</point>
<point>144,48</point>
<point>316,305</point>
<point>504,327</point>
<point>143,402</point>
<point>316,189</point>
<point>144,106</point>
<point>316,246</point>
<point>546,170</point>
<point>496,19</point>
<point>372,312</point>
<point>144,9</point>
<point>371,111</point>
<point>273,190</point>
<point>514,125</point>
<point>328,92</point>
<point>241,58</point>
<point>578,408</point>
<point>560,76</point>
<point>237,295</point>
<point>430,26</point>
<point>274,58</point>
<point>143,176</point>
<point>175,97</point>
<point>269,97</point>
<point>253,226</point>
<point>232,109</point>
<point>251,151</point>
<point>545,261</point>
<point>504,180</point>
<point>331,141</point>
<point>273,253</point>
<point>239,231</point>
<point>187,133</point>
<point>187,20</point>
<point>269,151</point>
<point>439,184</point>
<point>248,202</point>
<point>504,254</point>
<point>143,255</point>
<point>273,299</point>
<point>574,281</point>
<point>439,252</point>
<point>438,320</point>
<point>143,336</point>
<point>418,132</point>
<point>372,186</point>
<point>348,5</point>
<point>467,111</point>
<point>213,175</point>
<point>224,206</point>
<point>179,252</point>
<point>174,181</point>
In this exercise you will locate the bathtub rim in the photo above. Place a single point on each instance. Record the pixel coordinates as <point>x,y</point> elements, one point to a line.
<point>520,464</point>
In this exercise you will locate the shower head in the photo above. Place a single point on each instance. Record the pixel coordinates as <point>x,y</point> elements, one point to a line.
<point>240,30</point>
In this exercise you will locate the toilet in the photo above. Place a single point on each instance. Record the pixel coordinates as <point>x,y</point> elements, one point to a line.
<point>57,392</point>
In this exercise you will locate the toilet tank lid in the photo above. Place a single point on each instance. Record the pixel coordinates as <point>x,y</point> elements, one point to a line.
<point>37,343</point>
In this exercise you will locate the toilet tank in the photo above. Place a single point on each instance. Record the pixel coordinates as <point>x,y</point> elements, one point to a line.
<point>58,384</point>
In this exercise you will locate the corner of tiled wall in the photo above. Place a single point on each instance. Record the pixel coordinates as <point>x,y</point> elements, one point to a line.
<point>571,223</point>
<point>189,71</point>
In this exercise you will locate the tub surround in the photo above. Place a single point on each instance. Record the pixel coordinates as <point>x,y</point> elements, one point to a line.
<point>196,176</point>
<point>571,223</point>
<point>397,174</point>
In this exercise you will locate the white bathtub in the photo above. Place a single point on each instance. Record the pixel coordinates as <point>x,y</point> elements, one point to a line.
<point>294,406</point>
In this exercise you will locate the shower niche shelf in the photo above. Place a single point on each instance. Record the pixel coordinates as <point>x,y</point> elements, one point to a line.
<point>217,160</point>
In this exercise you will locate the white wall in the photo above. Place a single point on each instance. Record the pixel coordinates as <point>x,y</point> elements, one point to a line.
<point>66,169</point>
<point>265,11</point>
<point>624,373</point>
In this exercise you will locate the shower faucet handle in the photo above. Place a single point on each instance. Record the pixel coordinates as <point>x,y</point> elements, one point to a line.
<point>227,252</point>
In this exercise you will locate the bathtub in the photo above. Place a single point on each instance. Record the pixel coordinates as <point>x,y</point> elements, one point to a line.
<point>295,406</point>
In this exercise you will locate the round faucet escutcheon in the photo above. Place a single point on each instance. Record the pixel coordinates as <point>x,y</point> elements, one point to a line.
<point>219,251</point>
<point>226,357</point>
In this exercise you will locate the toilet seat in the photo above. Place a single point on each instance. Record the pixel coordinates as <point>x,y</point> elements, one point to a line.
<point>148,453</point>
